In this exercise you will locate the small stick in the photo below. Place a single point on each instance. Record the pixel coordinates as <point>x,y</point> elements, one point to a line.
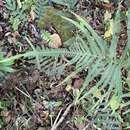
<point>23,93</point>
<point>55,125</point>
<point>56,120</point>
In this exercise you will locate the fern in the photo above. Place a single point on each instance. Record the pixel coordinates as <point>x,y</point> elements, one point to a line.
<point>46,36</point>
<point>18,14</point>
<point>90,52</point>
<point>5,66</point>
<point>93,54</point>
<point>11,5</point>
<point>102,119</point>
<point>41,7</point>
<point>49,64</point>
<point>107,121</point>
<point>52,68</point>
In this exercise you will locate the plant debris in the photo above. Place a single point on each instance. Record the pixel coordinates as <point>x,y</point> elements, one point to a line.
<point>64,64</point>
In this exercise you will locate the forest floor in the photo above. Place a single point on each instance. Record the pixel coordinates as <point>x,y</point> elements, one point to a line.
<point>29,98</point>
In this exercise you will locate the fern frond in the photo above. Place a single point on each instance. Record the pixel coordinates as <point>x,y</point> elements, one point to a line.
<point>5,66</point>
<point>11,5</point>
<point>115,36</point>
<point>83,26</point>
<point>105,120</point>
<point>41,7</point>
<point>90,52</point>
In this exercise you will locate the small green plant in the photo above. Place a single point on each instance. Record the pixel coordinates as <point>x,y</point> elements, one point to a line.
<point>15,22</point>
<point>5,66</point>
<point>41,7</point>
<point>79,120</point>
<point>18,13</point>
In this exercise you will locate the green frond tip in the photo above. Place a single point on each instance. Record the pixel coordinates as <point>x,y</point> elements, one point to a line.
<point>83,26</point>
<point>5,66</point>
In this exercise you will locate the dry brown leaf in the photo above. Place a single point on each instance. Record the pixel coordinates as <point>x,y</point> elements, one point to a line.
<point>105,5</point>
<point>35,76</point>
<point>78,83</point>
<point>15,34</point>
<point>7,116</point>
<point>44,115</point>
<point>56,41</point>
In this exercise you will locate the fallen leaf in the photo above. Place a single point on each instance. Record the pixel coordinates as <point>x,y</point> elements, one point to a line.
<point>8,116</point>
<point>105,5</point>
<point>16,34</point>
<point>35,76</point>
<point>78,83</point>
<point>44,115</point>
<point>56,41</point>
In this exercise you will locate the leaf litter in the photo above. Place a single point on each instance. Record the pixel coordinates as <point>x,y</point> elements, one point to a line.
<point>31,98</point>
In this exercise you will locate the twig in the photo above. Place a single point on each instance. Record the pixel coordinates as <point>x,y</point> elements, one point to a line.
<point>85,128</point>
<point>96,127</point>
<point>55,125</point>
<point>56,120</point>
<point>23,93</point>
